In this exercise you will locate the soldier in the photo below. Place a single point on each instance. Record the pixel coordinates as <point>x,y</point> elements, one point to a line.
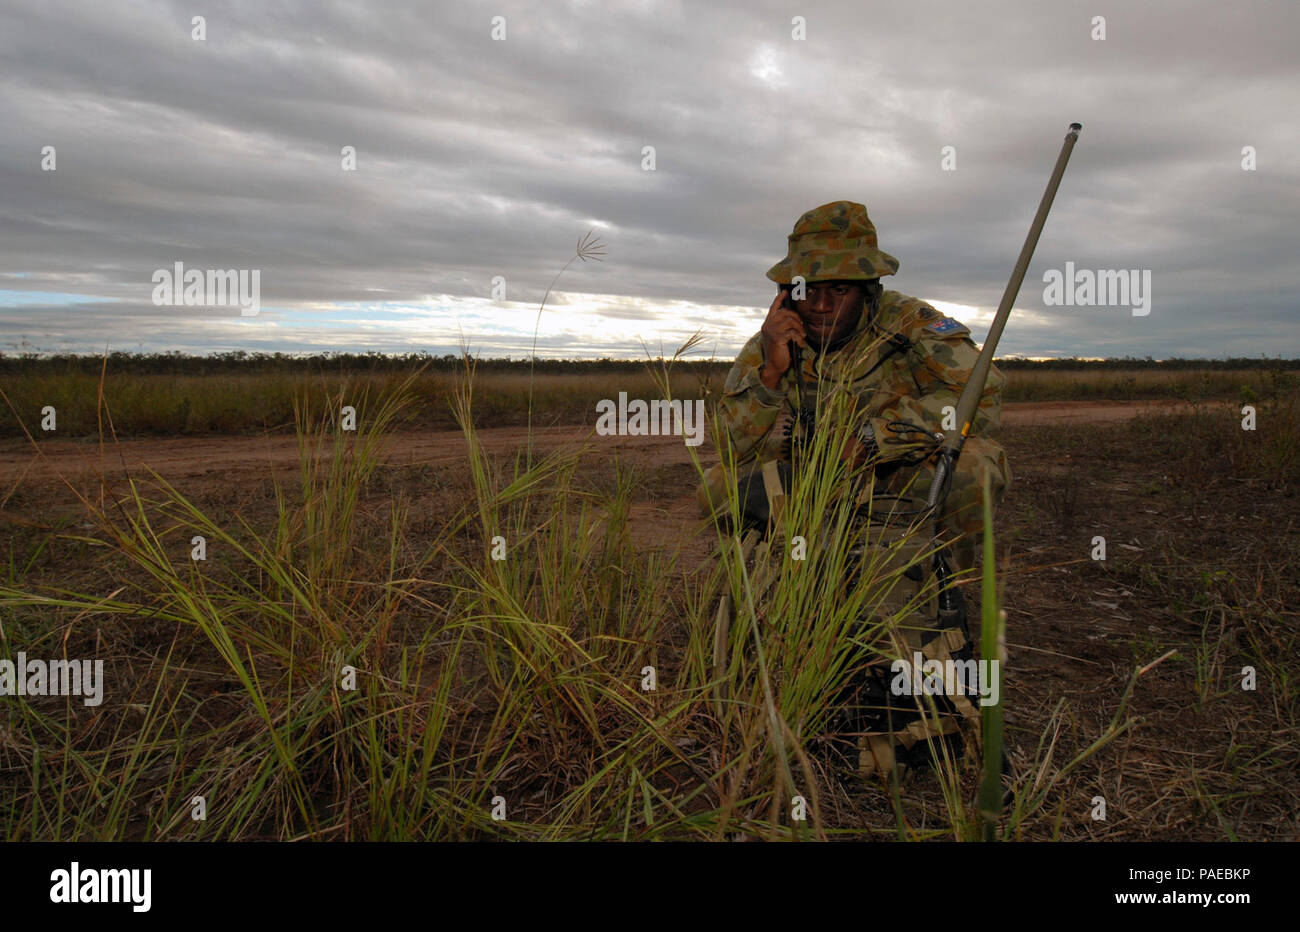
<point>902,360</point>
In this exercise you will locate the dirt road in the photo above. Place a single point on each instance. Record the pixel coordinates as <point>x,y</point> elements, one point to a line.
<point>177,457</point>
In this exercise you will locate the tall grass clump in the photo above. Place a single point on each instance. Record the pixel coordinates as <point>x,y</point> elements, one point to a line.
<point>567,619</point>
<point>259,720</point>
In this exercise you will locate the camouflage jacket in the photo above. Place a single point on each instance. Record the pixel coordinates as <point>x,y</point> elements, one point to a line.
<point>906,364</point>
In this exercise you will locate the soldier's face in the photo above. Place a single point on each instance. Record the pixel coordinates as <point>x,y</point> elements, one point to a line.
<point>830,311</point>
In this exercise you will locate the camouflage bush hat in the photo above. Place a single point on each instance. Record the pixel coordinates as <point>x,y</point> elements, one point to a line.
<point>834,241</point>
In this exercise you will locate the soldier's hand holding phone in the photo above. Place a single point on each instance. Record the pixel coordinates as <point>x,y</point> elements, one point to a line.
<point>781,327</point>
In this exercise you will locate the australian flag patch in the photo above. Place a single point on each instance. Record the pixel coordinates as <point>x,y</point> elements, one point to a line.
<point>946,325</point>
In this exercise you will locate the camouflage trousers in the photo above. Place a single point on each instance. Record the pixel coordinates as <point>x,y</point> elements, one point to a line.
<point>963,516</point>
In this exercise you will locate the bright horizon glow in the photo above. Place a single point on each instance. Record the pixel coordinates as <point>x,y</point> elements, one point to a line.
<point>573,326</point>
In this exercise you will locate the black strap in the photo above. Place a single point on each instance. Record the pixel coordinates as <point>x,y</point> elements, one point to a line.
<point>897,344</point>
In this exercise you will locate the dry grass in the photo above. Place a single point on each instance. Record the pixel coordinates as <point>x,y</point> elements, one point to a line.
<point>522,678</point>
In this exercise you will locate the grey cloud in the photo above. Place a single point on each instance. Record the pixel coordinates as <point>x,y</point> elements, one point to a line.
<point>480,158</point>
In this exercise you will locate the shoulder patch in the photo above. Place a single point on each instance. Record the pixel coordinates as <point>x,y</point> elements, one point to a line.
<point>946,326</point>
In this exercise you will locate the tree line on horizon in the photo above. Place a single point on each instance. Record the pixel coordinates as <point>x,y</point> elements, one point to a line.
<point>241,361</point>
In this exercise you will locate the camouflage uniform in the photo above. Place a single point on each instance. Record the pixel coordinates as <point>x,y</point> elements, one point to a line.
<point>904,364</point>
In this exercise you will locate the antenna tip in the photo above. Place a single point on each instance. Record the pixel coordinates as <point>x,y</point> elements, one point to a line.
<point>1074,128</point>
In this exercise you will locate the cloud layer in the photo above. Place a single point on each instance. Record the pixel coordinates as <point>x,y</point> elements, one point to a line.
<point>479,158</point>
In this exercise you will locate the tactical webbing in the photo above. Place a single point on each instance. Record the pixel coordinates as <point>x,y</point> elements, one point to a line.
<point>940,650</point>
<point>876,751</point>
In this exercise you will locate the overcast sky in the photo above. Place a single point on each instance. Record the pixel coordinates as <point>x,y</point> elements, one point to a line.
<point>478,157</point>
